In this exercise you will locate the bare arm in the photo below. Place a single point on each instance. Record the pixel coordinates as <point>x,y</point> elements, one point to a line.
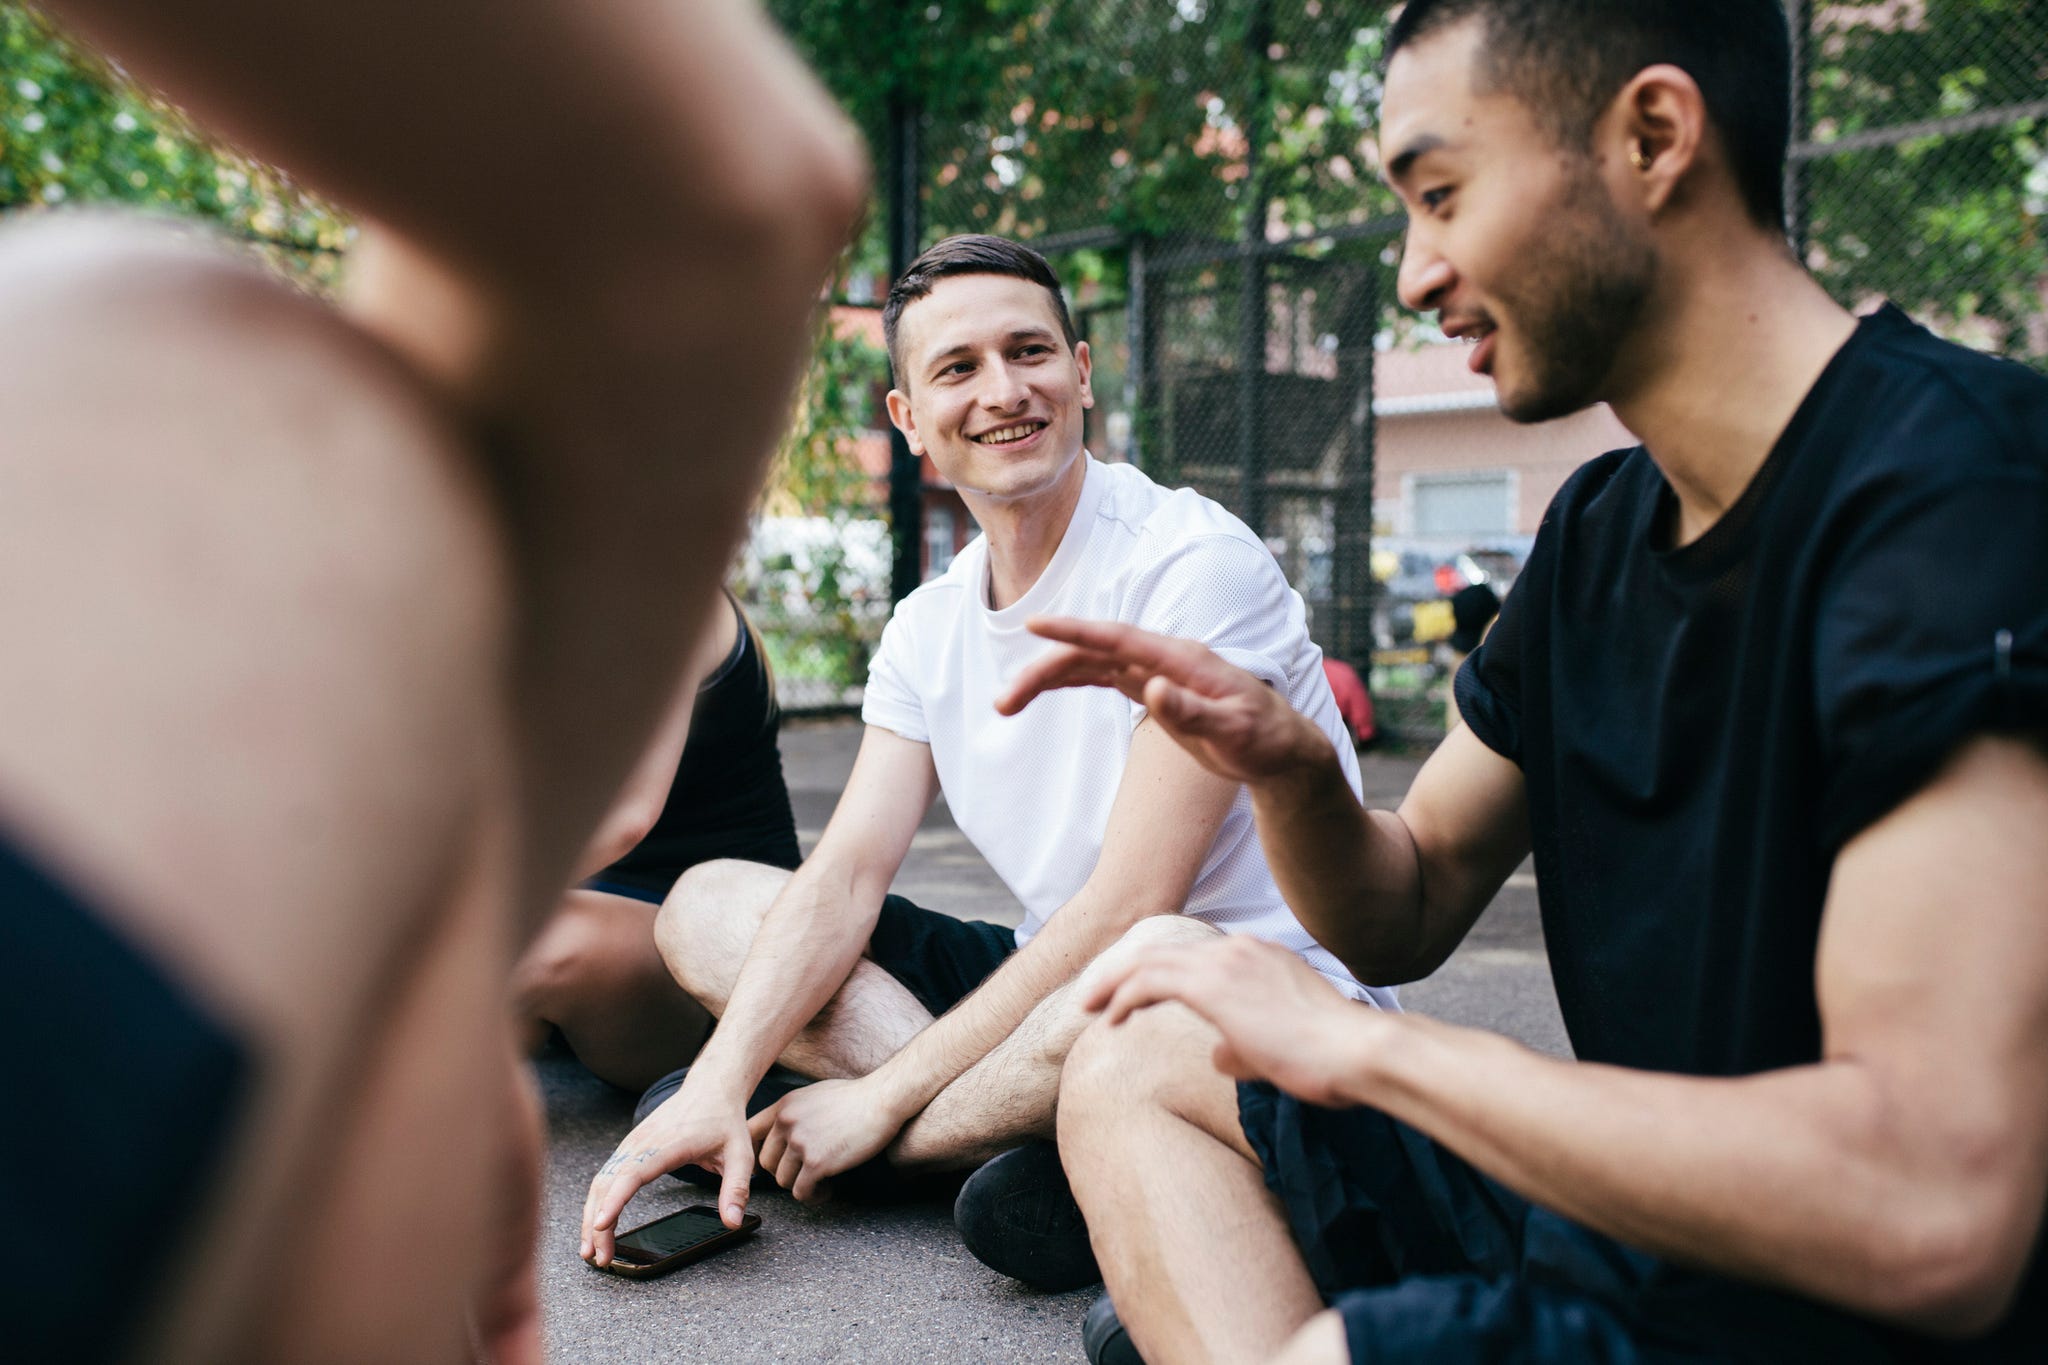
<point>1902,1176</point>
<point>821,923</point>
<point>1161,827</point>
<point>1389,894</point>
<point>647,787</point>
<point>807,944</point>
<point>623,351</point>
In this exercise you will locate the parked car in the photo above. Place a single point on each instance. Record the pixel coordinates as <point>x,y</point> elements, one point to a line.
<point>1414,573</point>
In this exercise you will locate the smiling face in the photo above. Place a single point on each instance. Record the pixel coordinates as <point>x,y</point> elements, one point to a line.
<point>1514,240</point>
<point>990,389</point>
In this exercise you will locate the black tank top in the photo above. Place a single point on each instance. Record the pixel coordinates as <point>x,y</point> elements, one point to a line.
<point>729,799</point>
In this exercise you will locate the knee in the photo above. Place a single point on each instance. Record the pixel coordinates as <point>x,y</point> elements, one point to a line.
<point>708,919</point>
<point>562,967</point>
<point>1154,931</point>
<point>1140,1064</point>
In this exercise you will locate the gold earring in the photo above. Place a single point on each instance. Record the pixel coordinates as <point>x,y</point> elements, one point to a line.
<point>1640,157</point>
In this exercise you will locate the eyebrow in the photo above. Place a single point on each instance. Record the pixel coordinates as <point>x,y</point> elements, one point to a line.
<point>1404,161</point>
<point>969,348</point>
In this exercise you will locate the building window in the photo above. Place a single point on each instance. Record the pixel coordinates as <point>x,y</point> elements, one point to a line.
<point>1475,504</point>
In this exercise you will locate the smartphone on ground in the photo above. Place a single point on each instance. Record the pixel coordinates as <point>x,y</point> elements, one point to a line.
<point>666,1243</point>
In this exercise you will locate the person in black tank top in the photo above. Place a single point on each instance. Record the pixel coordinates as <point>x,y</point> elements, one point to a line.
<point>728,799</point>
<point>710,787</point>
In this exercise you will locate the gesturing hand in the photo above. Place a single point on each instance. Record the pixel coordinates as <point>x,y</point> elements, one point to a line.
<point>1231,722</point>
<point>1280,1020</point>
<point>688,1129</point>
<point>814,1133</point>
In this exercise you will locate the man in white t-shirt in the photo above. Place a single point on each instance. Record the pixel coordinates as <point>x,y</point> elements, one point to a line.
<point>940,1041</point>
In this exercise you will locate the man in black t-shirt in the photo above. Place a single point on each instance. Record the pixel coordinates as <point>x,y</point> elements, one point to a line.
<point>1767,704</point>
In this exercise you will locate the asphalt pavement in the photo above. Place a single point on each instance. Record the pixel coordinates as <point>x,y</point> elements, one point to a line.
<point>840,1283</point>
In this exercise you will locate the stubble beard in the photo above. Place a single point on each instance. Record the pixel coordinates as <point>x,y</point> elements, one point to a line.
<point>1577,304</point>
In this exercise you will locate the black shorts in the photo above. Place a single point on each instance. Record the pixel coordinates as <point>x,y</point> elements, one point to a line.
<point>1425,1259</point>
<point>122,1094</point>
<point>631,891</point>
<point>939,958</point>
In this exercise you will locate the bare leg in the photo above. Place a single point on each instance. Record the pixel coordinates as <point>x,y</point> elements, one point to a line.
<point>1010,1095</point>
<point>263,754</point>
<point>1320,1342</point>
<point>704,931</point>
<point>595,974</point>
<point>1195,1252</point>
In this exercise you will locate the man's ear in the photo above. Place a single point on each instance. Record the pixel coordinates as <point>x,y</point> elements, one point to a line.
<point>899,415</point>
<point>1655,132</point>
<point>1085,364</point>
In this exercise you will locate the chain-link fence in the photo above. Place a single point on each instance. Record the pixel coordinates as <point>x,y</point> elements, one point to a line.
<point>1204,176</point>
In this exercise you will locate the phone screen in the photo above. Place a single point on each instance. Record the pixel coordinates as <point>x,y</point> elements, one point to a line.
<point>665,1237</point>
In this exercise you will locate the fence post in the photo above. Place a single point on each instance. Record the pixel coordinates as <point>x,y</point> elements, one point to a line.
<point>1251,350</point>
<point>1799,14</point>
<point>1352,584</point>
<point>906,231</point>
<point>1137,339</point>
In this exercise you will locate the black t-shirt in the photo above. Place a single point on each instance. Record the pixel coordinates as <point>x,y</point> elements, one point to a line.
<point>729,799</point>
<point>1702,729</point>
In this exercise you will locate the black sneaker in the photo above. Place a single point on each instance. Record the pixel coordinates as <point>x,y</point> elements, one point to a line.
<point>1017,1215</point>
<point>1104,1339</point>
<point>779,1081</point>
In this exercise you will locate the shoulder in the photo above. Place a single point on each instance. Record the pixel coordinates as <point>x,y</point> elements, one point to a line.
<point>1163,524</point>
<point>1615,481</point>
<point>946,595</point>
<point>1599,508</point>
<point>1937,411</point>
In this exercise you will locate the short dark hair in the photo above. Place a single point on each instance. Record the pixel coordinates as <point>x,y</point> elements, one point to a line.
<point>969,254</point>
<point>1566,60</point>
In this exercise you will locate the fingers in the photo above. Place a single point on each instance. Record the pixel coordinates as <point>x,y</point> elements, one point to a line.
<point>805,1190</point>
<point>1182,712</point>
<point>1108,637</point>
<point>1069,668</point>
<point>1153,985</point>
<point>1188,662</point>
<point>1111,654</point>
<point>736,1184</point>
<point>759,1125</point>
<point>1146,978</point>
<point>773,1144</point>
<point>615,1188</point>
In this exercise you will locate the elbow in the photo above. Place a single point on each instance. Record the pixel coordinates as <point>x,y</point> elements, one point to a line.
<point>1956,1292</point>
<point>1950,1261</point>
<point>634,823</point>
<point>1387,956</point>
<point>788,210</point>
<point>620,834</point>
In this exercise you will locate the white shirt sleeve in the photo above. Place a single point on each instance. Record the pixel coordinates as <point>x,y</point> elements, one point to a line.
<point>890,700</point>
<point>1227,593</point>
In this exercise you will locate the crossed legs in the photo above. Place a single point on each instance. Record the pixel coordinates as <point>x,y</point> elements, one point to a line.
<point>595,974</point>
<point>1009,1096</point>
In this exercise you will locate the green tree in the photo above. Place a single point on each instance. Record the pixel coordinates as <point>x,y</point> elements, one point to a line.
<point>75,130</point>
<point>1950,226</point>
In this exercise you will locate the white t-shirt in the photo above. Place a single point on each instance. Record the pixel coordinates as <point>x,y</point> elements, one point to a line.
<point>1033,792</point>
